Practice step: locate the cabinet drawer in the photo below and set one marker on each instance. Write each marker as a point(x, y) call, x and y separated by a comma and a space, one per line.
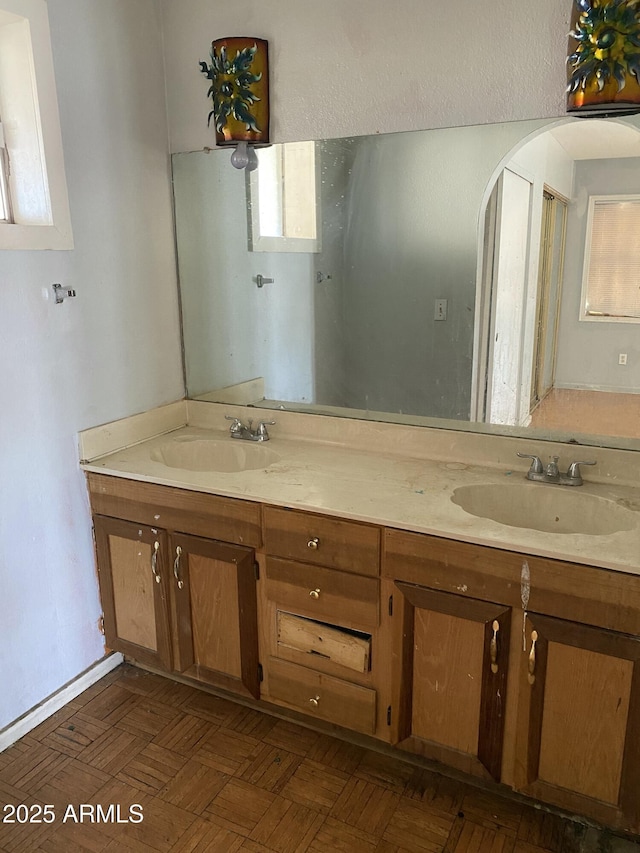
point(325, 594)
point(323, 696)
point(320, 641)
point(181, 510)
point(325, 541)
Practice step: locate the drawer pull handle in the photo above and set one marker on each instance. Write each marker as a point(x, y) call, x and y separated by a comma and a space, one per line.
point(314, 701)
point(154, 561)
point(176, 567)
point(532, 658)
point(315, 594)
point(314, 543)
point(493, 647)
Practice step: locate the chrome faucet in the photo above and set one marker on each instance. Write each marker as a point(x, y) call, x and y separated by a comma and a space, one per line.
point(248, 433)
point(552, 474)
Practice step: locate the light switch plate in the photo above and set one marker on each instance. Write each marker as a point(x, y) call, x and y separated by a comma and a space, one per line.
point(440, 312)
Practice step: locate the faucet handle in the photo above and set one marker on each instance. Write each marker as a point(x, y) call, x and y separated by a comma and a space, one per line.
point(236, 426)
point(573, 471)
point(536, 462)
point(261, 429)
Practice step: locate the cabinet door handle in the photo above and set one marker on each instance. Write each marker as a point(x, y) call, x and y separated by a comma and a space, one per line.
point(314, 701)
point(313, 543)
point(314, 593)
point(493, 647)
point(532, 658)
point(154, 561)
point(176, 567)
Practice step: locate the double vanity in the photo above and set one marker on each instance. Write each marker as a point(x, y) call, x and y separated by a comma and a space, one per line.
point(403, 584)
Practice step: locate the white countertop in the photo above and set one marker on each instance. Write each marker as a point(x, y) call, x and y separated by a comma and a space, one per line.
point(382, 486)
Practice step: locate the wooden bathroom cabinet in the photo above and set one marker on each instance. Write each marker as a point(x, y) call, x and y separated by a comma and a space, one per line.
point(174, 598)
point(559, 718)
point(518, 669)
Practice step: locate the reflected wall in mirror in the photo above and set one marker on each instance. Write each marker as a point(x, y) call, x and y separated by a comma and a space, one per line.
point(445, 281)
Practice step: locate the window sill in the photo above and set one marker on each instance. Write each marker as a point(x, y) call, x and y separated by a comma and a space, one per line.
point(29, 237)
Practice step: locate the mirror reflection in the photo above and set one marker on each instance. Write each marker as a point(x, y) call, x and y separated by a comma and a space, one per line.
point(477, 275)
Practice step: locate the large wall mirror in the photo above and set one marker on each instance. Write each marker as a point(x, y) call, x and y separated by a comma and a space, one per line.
point(433, 277)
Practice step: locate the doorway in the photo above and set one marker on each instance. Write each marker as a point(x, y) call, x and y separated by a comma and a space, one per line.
point(522, 284)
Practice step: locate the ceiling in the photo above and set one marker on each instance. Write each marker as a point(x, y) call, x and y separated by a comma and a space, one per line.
point(605, 139)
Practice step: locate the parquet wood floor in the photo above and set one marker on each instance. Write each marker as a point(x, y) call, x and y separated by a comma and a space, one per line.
point(211, 776)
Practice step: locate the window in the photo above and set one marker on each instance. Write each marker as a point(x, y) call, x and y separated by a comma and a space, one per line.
point(34, 207)
point(283, 198)
point(611, 279)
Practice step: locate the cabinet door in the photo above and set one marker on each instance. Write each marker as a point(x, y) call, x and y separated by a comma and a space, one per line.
point(450, 686)
point(214, 586)
point(134, 586)
point(578, 737)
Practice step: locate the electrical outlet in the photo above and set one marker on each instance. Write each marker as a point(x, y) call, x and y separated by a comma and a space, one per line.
point(622, 358)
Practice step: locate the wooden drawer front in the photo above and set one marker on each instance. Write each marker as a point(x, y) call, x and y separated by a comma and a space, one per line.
point(323, 696)
point(325, 541)
point(180, 510)
point(593, 596)
point(325, 594)
point(319, 641)
point(449, 565)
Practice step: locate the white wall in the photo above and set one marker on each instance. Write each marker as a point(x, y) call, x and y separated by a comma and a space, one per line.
point(112, 351)
point(370, 66)
point(288, 332)
point(234, 330)
point(414, 203)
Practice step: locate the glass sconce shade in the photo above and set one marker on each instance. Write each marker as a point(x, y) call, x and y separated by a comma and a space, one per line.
point(603, 65)
point(239, 74)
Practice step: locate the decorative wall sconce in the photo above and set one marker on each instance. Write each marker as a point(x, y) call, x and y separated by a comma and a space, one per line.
point(603, 65)
point(239, 74)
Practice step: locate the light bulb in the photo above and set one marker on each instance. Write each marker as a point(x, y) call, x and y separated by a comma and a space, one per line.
point(252, 159)
point(244, 157)
point(240, 156)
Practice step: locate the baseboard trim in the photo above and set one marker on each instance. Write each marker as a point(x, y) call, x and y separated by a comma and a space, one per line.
point(24, 724)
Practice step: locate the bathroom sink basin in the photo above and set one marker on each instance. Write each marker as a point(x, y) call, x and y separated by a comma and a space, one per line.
point(208, 454)
point(550, 509)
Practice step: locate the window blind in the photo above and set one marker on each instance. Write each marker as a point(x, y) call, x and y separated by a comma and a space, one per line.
point(613, 277)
